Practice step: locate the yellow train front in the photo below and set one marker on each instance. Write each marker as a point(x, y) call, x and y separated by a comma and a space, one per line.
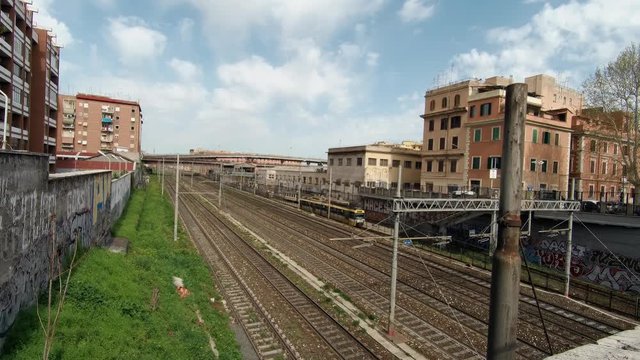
point(353, 217)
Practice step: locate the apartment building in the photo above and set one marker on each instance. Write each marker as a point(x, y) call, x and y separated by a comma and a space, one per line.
point(597, 160)
point(546, 144)
point(463, 127)
point(91, 124)
point(376, 165)
point(311, 178)
point(45, 61)
point(16, 41)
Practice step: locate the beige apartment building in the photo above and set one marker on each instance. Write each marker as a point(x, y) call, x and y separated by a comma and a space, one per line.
point(91, 124)
point(376, 165)
point(462, 133)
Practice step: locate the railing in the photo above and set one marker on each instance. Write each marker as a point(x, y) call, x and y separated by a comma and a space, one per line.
point(548, 279)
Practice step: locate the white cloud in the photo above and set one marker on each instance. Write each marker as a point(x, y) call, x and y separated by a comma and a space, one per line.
point(44, 19)
point(416, 11)
point(185, 29)
point(134, 41)
point(186, 70)
point(575, 35)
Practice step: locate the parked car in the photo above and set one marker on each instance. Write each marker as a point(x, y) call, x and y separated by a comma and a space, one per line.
point(590, 206)
point(463, 193)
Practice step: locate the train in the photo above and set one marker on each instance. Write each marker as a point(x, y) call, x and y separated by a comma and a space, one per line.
point(353, 217)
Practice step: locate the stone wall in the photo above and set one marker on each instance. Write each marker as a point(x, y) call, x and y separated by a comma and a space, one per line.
point(37, 208)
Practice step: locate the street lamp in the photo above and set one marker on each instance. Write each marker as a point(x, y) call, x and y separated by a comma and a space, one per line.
point(6, 114)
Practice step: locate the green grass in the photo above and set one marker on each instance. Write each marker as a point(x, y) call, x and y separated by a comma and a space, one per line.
point(108, 314)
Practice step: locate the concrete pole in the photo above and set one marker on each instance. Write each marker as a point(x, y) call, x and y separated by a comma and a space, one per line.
point(175, 214)
point(529, 223)
point(394, 261)
point(494, 232)
point(220, 192)
point(192, 170)
point(255, 180)
point(299, 185)
point(162, 176)
point(329, 203)
point(567, 256)
point(505, 279)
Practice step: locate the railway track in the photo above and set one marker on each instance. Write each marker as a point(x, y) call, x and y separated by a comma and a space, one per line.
point(572, 328)
point(339, 341)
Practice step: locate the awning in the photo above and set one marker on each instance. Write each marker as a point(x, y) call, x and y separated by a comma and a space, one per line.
point(106, 120)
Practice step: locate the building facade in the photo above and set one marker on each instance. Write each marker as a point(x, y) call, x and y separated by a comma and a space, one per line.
point(597, 165)
point(376, 165)
point(44, 95)
point(463, 128)
point(28, 76)
point(91, 124)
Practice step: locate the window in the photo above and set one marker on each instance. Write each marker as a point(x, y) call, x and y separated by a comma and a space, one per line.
point(557, 139)
point(444, 102)
point(546, 137)
point(454, 166)
point(456, 100)
point(456, 122)
point(592, 146)
point(485, 109)
point(372, 161)
point(384, 162)
point(442, 143)
point(407, 165)
point(330, 162)
point(495, 133)
point(615, 149)
point(395, 163)
point(454, 142)
point(591, 190)
point(543, 166)
point(339, 162)
point(431, 125)
point(472, 111)
point(592, 166)
point(555, 167)
point(494, 162)
point(615, 169)
point(418, 165)
point(477, 135)
point(432, 105)
point(624, 170)
point(17, 95)
point(603, 169)
point(429, 166)
point(348, 161)
point(444, 124)
point(534, 136)
point(604, 146)
point(359, 161)
point(532, 165)
point(394, 185)
point(475, 163)
point(430, 144)
point(18, 46)
point(440, 165)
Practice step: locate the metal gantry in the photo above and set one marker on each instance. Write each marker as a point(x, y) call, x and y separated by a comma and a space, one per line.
point(485, 205)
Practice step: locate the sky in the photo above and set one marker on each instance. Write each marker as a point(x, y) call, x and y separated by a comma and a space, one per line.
point(296, 77)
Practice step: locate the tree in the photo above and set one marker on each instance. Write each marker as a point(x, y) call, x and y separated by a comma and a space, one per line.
point(611, 94)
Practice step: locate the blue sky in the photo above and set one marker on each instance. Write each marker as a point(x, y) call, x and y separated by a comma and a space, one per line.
point(295, 77)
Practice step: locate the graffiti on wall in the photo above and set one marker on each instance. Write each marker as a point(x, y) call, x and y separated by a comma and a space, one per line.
point(101, 195)
point(601, 267)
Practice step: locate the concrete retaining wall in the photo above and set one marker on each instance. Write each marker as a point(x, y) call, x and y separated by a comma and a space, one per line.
point(35, 209)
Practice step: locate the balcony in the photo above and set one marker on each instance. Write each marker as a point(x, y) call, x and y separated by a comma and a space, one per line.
point(106, 138)
point(52, 122)
point(104, 146)
point(106, 109)
point(20, 9)
point(5, 47)
point(5, 74)
point(5, 20)
point(8, 2)
point(67, 140)
point(48, 140)
point(108, 129)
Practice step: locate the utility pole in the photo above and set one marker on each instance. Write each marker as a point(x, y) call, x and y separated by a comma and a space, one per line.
point(569, 249)
point(299, 184)
point(175, 214)
point(505, 275)
point(162, 176)
point(394, 260)
point(192, 171)
point(220, 192)
point(329, 204)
